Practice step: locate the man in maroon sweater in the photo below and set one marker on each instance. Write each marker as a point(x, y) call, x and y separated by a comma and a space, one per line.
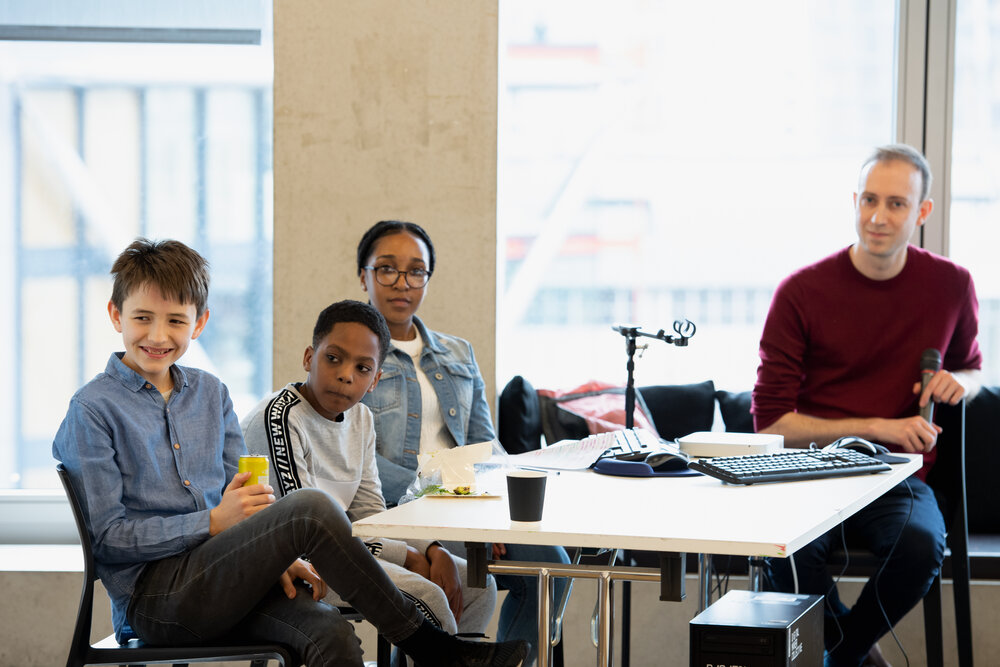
point(840, 355)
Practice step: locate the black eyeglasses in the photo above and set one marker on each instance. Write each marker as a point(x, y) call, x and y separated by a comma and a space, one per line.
point(388, 275)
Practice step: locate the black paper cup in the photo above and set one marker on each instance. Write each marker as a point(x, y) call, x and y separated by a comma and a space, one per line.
point(526, 494)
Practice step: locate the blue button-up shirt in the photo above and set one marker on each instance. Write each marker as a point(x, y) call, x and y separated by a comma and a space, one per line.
point(147, 472)
point(450, 365)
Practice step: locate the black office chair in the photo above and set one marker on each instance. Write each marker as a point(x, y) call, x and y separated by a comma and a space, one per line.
point(947, 479)
point(109, 652)
point(520, 430)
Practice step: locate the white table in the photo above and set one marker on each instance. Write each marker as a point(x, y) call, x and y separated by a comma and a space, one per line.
point(664, 514)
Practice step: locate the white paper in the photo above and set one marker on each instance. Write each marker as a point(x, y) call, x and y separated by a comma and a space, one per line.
point(563, 455)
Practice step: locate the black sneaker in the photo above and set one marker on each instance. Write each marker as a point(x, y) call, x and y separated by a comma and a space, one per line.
point(431, 646)
point(487, 654)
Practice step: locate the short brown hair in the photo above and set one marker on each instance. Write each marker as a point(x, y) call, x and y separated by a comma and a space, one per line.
point(908, 154)
point(178, 271)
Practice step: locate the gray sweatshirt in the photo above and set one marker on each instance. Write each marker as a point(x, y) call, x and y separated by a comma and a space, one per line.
point(309, 450)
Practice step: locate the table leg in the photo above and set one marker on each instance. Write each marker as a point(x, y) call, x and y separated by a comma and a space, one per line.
point(544, 618)
point(704, 581)
point(626, 624)
point(755, 570)
point(477, 559)
point(605, 620)
point(672, 572)
point(605, 574)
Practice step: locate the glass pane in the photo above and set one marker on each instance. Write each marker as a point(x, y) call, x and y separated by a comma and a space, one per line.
point(974, 234)
point(99, 143)
point(661, 160)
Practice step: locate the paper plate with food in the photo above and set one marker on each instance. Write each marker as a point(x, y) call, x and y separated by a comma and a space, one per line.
point(461, 491)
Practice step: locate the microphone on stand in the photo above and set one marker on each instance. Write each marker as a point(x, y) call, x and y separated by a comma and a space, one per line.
point(684, 330)
point(930, 363)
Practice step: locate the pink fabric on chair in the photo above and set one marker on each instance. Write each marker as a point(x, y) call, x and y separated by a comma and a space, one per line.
point(601, 405)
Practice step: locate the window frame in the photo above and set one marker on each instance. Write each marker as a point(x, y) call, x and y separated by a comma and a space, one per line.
point(925, 100)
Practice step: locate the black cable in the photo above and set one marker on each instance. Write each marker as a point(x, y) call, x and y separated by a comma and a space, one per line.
point(836, 581)
point(878, 598)
point(721, 581)
point(878, 574)
point(766, 575)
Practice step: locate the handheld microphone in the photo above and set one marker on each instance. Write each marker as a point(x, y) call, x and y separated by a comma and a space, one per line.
point(930, 363)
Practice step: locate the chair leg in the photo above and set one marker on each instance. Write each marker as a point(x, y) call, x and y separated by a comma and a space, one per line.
point(383, 653)
point(932, 624)
point(963, 611)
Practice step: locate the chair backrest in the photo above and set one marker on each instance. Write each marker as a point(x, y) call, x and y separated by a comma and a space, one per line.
point(947, 477)
point(983, 460)
point(81, 633)
point(519, 418)
point(735, 410)
point(680, 409)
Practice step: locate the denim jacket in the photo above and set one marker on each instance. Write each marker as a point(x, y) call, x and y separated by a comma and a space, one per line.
point(450, 365)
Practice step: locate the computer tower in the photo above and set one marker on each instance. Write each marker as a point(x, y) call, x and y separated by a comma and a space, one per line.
point(747, 629)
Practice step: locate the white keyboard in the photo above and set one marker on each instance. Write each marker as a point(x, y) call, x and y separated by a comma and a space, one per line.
point(627, 445)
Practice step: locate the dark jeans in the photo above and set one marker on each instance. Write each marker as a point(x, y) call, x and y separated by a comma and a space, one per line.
point(227, 586)
point(904, 579)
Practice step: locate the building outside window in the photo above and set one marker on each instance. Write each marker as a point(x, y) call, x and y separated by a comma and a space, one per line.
point(670, 160)
point(975, 160)
point(646, 174)
point(121, 120)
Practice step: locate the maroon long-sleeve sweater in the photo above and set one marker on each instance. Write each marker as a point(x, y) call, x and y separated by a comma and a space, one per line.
point(837, 344)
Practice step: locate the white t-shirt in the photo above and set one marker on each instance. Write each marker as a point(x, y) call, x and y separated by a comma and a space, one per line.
point(434, 434)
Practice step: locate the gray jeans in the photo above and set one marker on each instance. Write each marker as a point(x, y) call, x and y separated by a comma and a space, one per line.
point(227, 586)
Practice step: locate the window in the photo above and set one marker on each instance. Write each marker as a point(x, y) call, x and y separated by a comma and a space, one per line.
point(975, 166)
point(127, 119)
point(661, 161)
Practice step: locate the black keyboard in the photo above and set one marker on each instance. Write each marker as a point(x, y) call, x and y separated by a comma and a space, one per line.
point(626, 445)
point(788, 466)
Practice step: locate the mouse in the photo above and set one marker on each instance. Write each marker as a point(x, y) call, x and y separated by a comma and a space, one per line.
point(665, 461)
point(858, 444)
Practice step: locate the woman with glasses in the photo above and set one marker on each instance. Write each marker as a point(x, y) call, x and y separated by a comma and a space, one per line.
point(431, 396)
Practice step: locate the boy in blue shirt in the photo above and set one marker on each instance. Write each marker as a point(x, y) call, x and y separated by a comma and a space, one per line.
point(185, 551)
